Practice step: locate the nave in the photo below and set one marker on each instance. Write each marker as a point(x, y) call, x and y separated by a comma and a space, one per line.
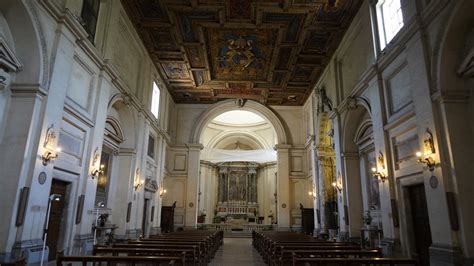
point(200, 247)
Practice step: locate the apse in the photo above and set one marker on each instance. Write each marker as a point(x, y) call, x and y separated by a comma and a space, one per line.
point(238, 166)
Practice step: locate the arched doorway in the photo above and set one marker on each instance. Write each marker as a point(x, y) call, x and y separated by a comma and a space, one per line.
point(281, 197)
point(238, 147)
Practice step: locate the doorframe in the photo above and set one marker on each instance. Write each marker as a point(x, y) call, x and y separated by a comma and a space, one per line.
point(69, 210)
point(406, 220)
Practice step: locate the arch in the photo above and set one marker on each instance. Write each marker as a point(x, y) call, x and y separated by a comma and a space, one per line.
point(361, 132)
point(114, 130)
point(28, 40)
point(252, 138)
point(351, 125)
point(229, 105)
point(124, 117)
point(451, 44)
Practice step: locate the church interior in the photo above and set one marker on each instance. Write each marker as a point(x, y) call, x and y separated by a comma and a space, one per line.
point(236, 132)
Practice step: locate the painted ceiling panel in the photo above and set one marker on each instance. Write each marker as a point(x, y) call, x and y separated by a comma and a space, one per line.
point(269, 51)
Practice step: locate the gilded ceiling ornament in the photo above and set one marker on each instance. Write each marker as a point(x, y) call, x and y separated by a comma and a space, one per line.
point(240, 102)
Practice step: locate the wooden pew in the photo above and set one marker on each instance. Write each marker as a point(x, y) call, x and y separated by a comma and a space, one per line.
point(189, 254)
point(202, 249)
point(197, 252)
point(131, 260)
point(286, 256)
point(352, 261)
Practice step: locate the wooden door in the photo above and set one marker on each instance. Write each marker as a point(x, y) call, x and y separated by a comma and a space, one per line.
point(56, 217)
point(167, 219)
point(421, 223)
point(145, 217)
point(307, 220)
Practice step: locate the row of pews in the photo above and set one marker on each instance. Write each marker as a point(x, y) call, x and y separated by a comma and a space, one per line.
point(177, 248)
point(289, 248)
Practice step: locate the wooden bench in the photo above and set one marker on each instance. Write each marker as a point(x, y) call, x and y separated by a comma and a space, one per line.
point(352, 261)
point(129, 260)
point(286, 256)
point(190, 254)
point(197, 252)
point(202, 249)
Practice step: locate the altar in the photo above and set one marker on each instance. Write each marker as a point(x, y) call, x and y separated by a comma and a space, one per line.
point(237, 194)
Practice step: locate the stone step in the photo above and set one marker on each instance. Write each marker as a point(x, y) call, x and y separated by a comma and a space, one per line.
point(237, 234)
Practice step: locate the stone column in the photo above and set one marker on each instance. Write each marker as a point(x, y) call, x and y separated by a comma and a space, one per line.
point(353, 199)
point(283, 184)
point(222, 184)
point(314, 173)
point(321, 197)
point(191, 210)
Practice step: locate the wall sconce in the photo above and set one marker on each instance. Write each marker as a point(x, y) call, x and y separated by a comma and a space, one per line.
point(50, 156)
point(428, 161)
point(162, 192)
point(337, 185)
point(379, 175)
point(313, 194)
point(97, 172)
point(138, 185)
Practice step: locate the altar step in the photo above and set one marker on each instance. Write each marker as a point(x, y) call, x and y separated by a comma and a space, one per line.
point(237, 234)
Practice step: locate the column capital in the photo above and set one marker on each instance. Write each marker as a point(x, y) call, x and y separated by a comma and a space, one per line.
point(282, 147)
point(27, 90)
point(194, 146)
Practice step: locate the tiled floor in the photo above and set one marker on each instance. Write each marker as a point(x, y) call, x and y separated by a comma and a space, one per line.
point(237, 251)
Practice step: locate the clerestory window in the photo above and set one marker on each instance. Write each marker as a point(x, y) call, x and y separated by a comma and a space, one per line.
point(389, 20)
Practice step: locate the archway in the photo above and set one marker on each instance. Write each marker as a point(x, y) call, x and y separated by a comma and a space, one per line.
point(357, 152)
point(280, 196)
point(120, 171)
point(23, 84)
point(455, 81)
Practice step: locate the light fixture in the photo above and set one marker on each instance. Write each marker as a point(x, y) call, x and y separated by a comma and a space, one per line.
point(427, 160)
point(337, 185)
point(379, 175)
point(138, 184)
point(52, 197)
point(49, 156)
point(162, 192)
point(97, 172)
point(313, 194)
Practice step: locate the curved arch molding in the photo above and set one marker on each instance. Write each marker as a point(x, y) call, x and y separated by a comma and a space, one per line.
point(229, 105)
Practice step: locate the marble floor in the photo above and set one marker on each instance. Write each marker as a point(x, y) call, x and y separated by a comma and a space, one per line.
point(237, 251)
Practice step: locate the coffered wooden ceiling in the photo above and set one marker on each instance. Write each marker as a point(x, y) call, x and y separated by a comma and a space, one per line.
point(268, 51)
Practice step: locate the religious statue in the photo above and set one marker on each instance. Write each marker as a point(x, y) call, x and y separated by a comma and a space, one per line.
point(324, 100)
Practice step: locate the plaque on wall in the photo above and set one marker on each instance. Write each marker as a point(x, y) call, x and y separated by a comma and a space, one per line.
point(283, 205)
point(42, 178)
point(80, 207)
point(433, 181)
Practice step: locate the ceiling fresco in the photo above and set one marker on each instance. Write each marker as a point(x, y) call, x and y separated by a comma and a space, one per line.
point(269, 51)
